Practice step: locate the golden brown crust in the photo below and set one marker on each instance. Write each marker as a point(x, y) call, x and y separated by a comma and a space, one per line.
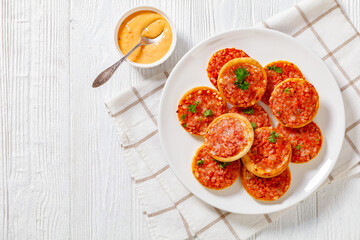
point(288, 70)
point(260, 87)
point(248, 135)
point(294, 80)
point(273, 171)
point(308, 139)
point(265, 189)
point(210, 174)
point(199, 127)
point(220, 58)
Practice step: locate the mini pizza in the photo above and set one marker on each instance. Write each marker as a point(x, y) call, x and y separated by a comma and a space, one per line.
point(198, 108)
point(219, 59)
point(214, 174)
point(256, 115)
point(269, 155)
point(305, 142)
point(294, 102)
point(265, 189)
point(277, 72)
point(229, 137)
point(242, 82)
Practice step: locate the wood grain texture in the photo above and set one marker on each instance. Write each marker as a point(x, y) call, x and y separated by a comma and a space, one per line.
point(34, 131)
point(62, 174)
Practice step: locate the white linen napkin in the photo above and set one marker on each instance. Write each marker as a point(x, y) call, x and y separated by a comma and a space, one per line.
point(171, 211)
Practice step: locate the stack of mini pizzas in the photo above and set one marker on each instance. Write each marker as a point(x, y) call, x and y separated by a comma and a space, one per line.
point(245, 131)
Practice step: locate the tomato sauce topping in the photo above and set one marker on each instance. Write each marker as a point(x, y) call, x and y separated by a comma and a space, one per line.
point(227, 137)
point(256, 115)
point(276, 73)
point(305, 142)
point(270, 151)
point(246, 94)
point(266, 189)
point(214, 174)
point(198, 108)
point(294, 102)
point(219, 59)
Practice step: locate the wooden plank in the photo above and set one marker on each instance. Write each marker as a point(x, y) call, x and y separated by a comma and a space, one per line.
point(34, 121)
point(263, 9)
point(103, 203)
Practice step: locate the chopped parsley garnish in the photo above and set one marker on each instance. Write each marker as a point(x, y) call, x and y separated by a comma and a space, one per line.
point(276, 69)
point(184, 125)
point(298, 147)
point(317, 139)
point(278, 113)
point(273, 136)
point(248, 110)
point(221, 164)
point(183, 117)
point(192, 108)
point(287, 90)
point(253, 125)
point(208, 113)
point(244, 85)
point(200, 162)
point(241, 74)
point(200, 119)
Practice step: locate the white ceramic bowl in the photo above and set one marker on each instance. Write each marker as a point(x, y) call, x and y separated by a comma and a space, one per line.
point(146, 8)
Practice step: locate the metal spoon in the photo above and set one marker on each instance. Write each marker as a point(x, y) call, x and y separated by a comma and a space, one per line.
point(104, 76)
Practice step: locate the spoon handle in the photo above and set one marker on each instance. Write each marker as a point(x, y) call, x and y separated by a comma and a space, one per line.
point(105, 75)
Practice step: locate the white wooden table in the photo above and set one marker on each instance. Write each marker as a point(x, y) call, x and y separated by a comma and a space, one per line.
point(62, 174)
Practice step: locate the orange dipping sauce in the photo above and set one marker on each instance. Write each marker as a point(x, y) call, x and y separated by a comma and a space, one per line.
point(151, 25)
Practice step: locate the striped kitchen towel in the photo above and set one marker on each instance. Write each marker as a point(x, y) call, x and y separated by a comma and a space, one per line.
point(171, 211)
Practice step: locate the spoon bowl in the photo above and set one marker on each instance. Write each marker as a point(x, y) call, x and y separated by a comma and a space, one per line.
point(105, 75)
point(147, 41)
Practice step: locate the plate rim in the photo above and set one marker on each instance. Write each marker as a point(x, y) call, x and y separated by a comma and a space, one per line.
point(236, 31)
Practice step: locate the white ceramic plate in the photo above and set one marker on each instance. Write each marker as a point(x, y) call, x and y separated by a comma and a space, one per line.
point(265, 46)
